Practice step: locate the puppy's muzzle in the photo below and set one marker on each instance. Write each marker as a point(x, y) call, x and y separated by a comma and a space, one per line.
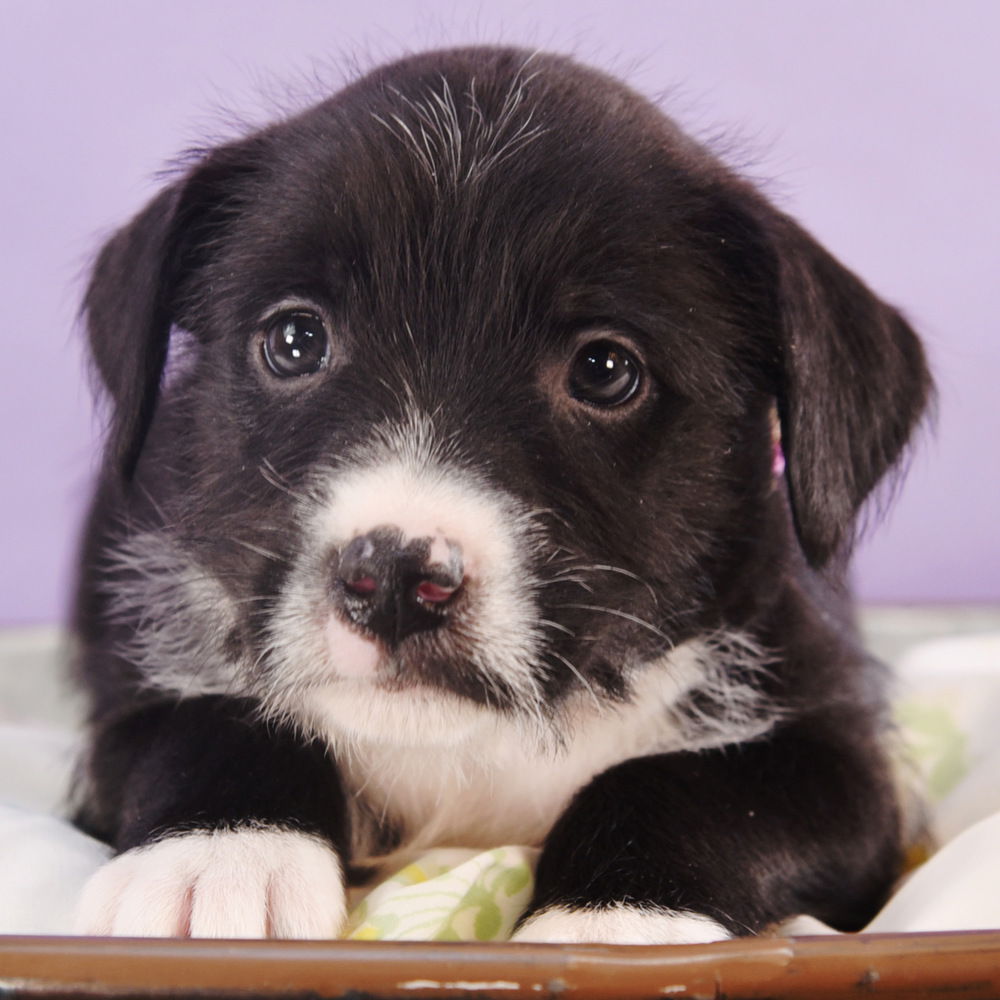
point(392, 587)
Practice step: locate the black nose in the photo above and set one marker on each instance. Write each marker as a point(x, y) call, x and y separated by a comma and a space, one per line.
point(393, 587)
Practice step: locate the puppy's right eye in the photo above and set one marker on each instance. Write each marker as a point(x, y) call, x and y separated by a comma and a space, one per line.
point(296, 343)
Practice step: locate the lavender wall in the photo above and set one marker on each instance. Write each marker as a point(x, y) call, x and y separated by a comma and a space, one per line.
point(876, 122)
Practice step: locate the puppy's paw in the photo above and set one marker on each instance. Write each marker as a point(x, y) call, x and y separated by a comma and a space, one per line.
point(250, 883)
point(619, 924)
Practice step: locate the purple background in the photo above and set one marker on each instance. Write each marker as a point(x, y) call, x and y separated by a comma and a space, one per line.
point(876, 123)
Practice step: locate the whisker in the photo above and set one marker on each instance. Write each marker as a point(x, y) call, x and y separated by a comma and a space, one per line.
point(605, 568)
point(557, 626)
point(271, 474)
point(260, 550)
point(622, 614)
point(567, 578)
point(583, 680)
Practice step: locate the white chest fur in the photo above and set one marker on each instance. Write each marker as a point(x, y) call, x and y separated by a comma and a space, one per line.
point(506, 782)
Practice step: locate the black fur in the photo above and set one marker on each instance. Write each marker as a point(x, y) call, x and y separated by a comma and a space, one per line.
point(462, 288)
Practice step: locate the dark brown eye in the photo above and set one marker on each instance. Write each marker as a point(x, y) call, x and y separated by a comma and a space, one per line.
point(604, 374)
point(296, 343)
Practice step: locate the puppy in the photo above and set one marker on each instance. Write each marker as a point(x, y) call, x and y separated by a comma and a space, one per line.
point(445, 501)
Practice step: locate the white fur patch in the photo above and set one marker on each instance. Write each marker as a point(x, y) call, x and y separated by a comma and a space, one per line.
point(451, 154)
point(620, 924)
point(249, 883)
point(180, 617)
point(721, 702)
point(402, 480)
point(502, 780)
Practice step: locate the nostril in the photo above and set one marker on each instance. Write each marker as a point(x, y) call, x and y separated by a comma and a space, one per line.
point(434, 593)
point(364, 566)
point(362, 586)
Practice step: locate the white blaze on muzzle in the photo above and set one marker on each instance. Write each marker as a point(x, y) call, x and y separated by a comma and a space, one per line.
point(459, 554)
point(477, 534)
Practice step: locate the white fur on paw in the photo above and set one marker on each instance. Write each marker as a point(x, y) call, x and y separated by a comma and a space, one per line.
point(620, 924)
point(250, 883)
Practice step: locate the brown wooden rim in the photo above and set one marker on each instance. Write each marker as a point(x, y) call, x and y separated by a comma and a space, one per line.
point(942, 965)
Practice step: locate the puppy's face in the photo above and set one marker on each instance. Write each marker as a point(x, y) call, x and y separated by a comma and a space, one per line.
point(468, 406)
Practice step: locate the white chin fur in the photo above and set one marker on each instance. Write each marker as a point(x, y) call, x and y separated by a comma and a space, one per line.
point(620, 924)
point(357, 711)
point(251, 883)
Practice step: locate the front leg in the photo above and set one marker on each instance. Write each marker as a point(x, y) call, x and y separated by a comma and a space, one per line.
point(227, 826)
point(697, 847)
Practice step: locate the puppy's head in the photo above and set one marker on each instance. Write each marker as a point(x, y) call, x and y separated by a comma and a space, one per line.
point(461, 393)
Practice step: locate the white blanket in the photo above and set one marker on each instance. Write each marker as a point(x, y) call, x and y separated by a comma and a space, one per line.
point(948, 707)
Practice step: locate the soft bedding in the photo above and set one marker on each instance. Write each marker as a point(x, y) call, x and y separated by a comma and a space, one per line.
point(949, 699)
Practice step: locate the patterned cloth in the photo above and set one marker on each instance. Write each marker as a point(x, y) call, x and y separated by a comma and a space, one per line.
point(449, 894)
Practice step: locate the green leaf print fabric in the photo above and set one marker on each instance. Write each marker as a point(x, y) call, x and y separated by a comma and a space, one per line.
point(448, 894)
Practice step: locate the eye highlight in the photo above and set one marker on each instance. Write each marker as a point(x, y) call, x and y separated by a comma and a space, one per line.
point(296, 342)
point(604, 373)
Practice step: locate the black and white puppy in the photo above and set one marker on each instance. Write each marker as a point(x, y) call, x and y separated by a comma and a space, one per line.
point(445, 502)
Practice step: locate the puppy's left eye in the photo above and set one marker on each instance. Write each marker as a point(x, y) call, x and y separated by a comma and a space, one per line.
point(604, 374)
point(296, 343)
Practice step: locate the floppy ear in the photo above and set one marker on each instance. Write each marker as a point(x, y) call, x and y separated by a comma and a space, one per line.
point(128, 321)
point(132, 298)
point(853, 384)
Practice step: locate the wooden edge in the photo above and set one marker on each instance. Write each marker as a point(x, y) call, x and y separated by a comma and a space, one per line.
point(943, 965)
